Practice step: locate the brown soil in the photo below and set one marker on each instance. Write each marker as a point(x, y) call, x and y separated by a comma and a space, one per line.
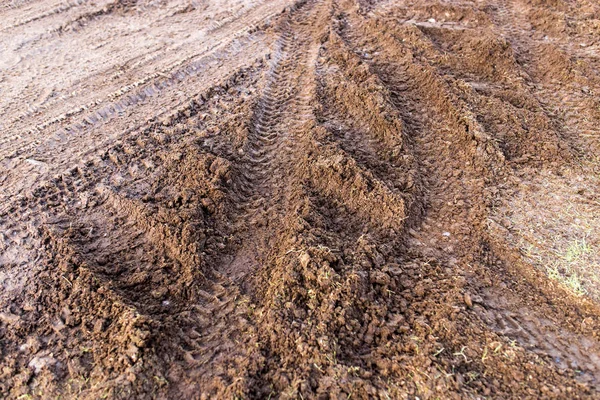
point(320, 199)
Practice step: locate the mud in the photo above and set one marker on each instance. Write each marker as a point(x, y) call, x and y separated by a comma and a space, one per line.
point(313, 199)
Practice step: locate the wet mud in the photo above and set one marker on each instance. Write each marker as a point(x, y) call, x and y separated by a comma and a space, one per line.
point(309, 199)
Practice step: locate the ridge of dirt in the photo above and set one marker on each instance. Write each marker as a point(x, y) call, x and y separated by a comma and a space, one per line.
point(319, 199)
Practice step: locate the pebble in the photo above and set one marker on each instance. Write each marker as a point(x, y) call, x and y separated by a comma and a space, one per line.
point(468, 301)
point(39, 363)
point(99, 325)
point(304, 259)
point(9, 318)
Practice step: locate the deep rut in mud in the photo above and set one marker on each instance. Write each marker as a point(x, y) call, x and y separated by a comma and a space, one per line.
point(309, 200)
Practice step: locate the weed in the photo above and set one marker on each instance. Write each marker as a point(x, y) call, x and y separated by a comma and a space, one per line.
point(576, 250)
point(472, 376)
point(161, 381)
point(333, 358)
point(462, 353)
point(498, 348)
point(353, 370)
point(560, 236)
point(563, 270)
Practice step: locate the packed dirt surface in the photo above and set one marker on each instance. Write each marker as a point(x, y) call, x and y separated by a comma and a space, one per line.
point(295, 200)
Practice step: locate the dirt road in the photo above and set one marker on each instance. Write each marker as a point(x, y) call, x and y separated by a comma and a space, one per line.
point(312, 199)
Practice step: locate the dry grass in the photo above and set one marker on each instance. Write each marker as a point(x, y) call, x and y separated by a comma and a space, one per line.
point(555, 221)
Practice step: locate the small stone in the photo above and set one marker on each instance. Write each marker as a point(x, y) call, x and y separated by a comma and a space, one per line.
point(159, 293)
point(304, 259)
point(31, 346)
point(133, 352)
point(39, 363)
point(58, 325)
point(468, 301)
point(9, 318)
point(99, 325)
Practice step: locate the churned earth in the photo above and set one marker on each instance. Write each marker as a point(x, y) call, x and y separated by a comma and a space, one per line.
point(342, 199)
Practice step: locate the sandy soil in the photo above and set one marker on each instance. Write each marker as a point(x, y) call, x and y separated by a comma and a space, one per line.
point(313, 199)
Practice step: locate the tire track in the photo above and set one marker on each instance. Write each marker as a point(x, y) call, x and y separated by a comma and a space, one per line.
point(400, 88)
point(282, 110)
point(242, 36)
point(44, 13)
point(563, 86)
